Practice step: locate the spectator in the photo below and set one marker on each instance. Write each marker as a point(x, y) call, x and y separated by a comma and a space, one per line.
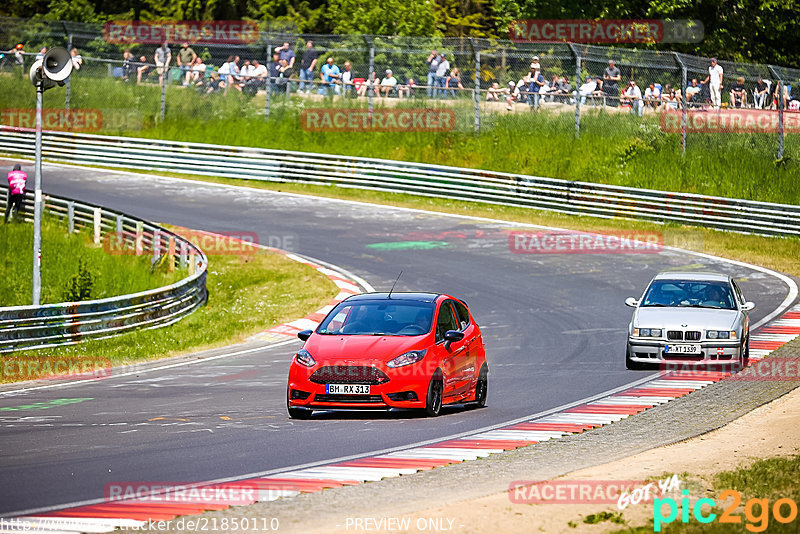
point(19, 55)
point(284, 74)
point(599, 90)
point(229, 72)
point(245, 74)
point(285, 52)
point(128, 65)
point(564, 89)
point(329, 74)
point(633, 96)
point(760, 93)
point(441, 77)
point(274, 71)
point(671, 97)
point(693, 94)
point(143, 70)
point(611, 79)
point(259, 74)
point(652, 96)
point(433, 66)
point(40, 55)
point(778, 101)
point(388, 84)
point(197, 74)
point(535, 84)
point(453, 82)
point(739, 94)
point(348, 81)
point(163, 58)
point(215, 82)
point(513, 95)
point(494, 92)
point(77, 60)
point(186, 58)
point(16, 191)
point(714, 79)
point(409, 89)
point(586, 89)
point(551, 89)
point(535, 63)
point(307, 66)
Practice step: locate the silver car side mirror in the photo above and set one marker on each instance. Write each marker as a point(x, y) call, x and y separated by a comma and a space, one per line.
point(747, 306)
point(632, 302)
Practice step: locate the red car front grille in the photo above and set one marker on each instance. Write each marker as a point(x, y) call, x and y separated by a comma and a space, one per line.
point(349, 374)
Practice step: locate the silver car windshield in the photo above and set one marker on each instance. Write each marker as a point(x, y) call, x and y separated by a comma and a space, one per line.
point(689, 294)
point(379, 318)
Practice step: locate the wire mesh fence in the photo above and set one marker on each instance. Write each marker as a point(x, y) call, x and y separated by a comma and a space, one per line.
point(384, 83)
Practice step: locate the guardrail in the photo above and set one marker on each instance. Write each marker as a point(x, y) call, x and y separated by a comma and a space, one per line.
point(571, 197)
point(35, 327)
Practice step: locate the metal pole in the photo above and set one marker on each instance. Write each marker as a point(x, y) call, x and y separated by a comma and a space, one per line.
point(684, 110)
point(781, 103)
point(164, 91)
point(371, 80)
point(476, 92)
point(268, 86)
point(69, 84)
point(577, 92)
point(37, 201)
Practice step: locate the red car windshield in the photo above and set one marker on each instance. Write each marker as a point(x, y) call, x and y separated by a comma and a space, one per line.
point(379, 318)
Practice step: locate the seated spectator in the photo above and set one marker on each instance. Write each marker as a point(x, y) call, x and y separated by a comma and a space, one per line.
point(564, 89)
point(549, 91)
point(215, 83)
point(197, 75)
point(259, 74)
point(229, 72)
point(693, 94)
point(364, 89)
point(348, 81)
point(633, 97)
point(330, 76)
point(453, 81)
point(409, 89)
point(143, 70)
point(777, 101)
point(77, 60)
point(599, 93)
point(760, 93)
point(586, 89)
point(274, 72)
point(284, 73)
point(494, 92)
point(739, 94)
point(652, 95)
point(128, 65)
point(387, 85)
point(513, 95)
point(671, 97)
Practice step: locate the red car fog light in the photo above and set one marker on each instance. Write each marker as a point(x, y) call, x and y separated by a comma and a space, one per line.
point(403, 396)
point(299, 395)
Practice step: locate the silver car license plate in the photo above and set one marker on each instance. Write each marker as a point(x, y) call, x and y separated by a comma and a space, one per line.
point(682, 349)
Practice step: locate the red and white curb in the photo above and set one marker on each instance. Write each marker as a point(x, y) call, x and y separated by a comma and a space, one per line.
point(106, 516)
point(346, 287)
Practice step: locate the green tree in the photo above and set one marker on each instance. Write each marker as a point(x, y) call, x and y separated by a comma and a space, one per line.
point(390, 17)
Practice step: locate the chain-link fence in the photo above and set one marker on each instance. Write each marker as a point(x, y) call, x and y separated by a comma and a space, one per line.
point(348, 82)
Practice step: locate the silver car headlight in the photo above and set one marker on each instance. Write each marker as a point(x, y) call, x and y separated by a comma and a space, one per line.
point(647, 332)
point(720, 334)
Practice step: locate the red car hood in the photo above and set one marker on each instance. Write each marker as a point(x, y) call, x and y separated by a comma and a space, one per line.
point(362, 349)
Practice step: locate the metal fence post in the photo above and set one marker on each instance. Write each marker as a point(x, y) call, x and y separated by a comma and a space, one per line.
point(577, 92)
point(69, 84)
point(476, 92)
point(684, 110)
point(164, 78)
point(371, 80)
point(268, 86)
point(780, 103)
point(71, 217)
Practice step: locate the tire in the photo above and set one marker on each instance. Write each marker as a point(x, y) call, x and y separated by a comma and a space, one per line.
point(632, 365)
point(433, 400)
point(481, 387)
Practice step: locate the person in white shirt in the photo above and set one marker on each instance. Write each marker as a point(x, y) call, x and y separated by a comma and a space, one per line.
point(586, 89)
point(714, 79)
point(77, 60)
point(387, 84)
point(652, 95)
point(198, 72)
point(633, 95)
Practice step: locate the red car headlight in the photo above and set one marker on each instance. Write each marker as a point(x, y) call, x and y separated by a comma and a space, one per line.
point(304, 357)
point(407, 358)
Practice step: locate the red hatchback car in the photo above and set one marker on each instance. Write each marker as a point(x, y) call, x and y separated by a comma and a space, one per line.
point(398, 350)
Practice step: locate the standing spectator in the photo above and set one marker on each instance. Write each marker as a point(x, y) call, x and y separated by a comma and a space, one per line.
point(329, 74)
point(348, 81)
point(284, 74)
point(287, 53)
point(760, 93)
point(77, 60)
point(453, 82)
point(652, 95)
point(633, 96)
point(441, 76)
point(186, 59)
point(16, 190)
point(162, 57)
point(40, 55)
point(586, 89)
point(388, 84)
point(128, 66)
point(535, 84)
point(143, 70)
point(307, 66)
point(433, 65)
point(19, 55)
point(714, 79)
point(739, 94)
point(611, 79)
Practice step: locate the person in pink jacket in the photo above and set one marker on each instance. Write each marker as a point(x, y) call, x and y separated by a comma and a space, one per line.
point(16, 190)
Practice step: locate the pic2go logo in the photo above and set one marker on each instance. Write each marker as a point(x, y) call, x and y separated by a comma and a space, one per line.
point(756, 511)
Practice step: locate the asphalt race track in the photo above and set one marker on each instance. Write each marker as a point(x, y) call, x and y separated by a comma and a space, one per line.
point(554, 327)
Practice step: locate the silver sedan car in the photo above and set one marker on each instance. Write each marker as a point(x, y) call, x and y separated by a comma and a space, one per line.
point(689, 317)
